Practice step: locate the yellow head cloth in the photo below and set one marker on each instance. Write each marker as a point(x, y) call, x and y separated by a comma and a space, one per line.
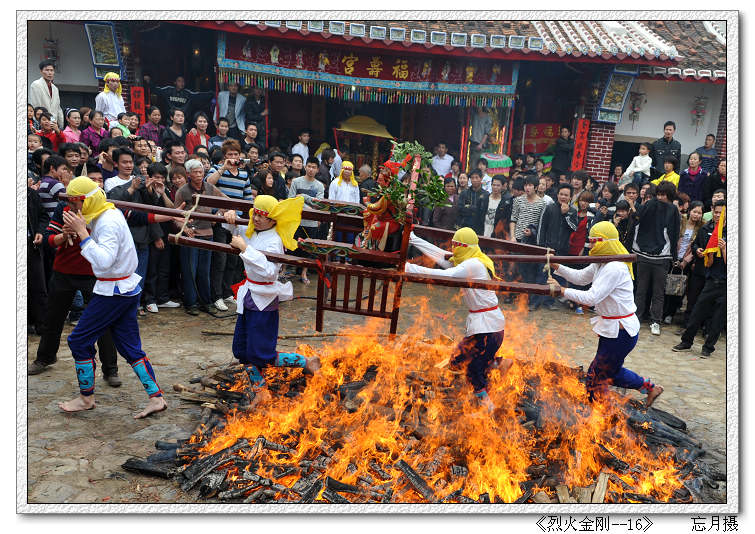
point(610, 245)
point(110, 76)
point(322, 147)
point(468, 237)
point(286, 214)
point(95, 201)
point(347, 165)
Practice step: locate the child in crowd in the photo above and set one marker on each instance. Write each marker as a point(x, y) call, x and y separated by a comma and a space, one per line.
point(638, 171)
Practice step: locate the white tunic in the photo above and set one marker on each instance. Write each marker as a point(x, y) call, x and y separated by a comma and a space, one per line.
point(110, 104)
point(259, 269)
point(474, 299)
point(612, 294)
point(110, 249)
point(346, 192)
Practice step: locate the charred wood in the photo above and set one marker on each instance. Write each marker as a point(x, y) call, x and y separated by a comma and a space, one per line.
point(417, 482)
point(162, 469)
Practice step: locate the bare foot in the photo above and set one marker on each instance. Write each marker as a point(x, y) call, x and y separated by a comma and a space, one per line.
point(155, 404)
point(79, 404)
point(505, 365)
point(313, 364)
point(263, 395)
point(652, 395)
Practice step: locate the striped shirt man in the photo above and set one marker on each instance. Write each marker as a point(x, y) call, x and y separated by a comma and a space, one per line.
point(238, 186)
point(49, 189)
point(526, 213)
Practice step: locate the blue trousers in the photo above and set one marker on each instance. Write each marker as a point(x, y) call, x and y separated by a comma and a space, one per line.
point(142, 255)
point(254, 344)
point(195, 273)
point(479, 350)
point(118, 313)
point(607, 368)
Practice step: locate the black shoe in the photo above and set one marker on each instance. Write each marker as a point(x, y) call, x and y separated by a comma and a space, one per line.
point(204, 308)
point(682, 347)
point(113, 381)
point(192, 310)
point(704, 353)
point(35, 368)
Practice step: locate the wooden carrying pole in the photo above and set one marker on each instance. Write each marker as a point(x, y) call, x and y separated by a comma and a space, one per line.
point(522, 258)
point(388, 275)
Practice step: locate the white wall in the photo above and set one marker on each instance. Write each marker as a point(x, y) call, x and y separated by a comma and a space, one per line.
point(667, 100)
point(75, 72)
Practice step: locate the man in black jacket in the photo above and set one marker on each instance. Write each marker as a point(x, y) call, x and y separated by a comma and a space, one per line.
point(655, 237)
point(562, 152)
point(36, 290)
point(712, 301)
point(178, 97)
point(472, 204)
point(664, 147)
point(555, 230)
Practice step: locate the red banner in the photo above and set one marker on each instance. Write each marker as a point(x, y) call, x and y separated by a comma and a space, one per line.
point(538, 137)
point(580, 144)
point(358, 64)
point(137, 103)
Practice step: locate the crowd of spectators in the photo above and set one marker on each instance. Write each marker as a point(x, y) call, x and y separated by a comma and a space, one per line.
point(664, 216)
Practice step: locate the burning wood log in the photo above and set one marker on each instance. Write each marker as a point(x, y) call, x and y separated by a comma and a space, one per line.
point(582, 495)
point(541, 498)
point(211, 484)
point(308, 495)
point(334, 498)
point(599, 495)
point(417, 482)
point(562, 492)
point(341, 487)
point(612, 461)
point(194, 473)
point(236, 493)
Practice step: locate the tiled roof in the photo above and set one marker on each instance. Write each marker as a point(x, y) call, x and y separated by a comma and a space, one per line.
point(610, 40)
point(702, 45)
point(696, 48)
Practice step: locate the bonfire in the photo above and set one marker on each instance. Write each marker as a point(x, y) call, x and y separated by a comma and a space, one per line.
point(381, 422)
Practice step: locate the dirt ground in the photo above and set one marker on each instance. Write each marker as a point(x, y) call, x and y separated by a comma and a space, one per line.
point(76, 458)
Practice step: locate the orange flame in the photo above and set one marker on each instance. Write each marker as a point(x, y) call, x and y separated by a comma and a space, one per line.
point(409, 398)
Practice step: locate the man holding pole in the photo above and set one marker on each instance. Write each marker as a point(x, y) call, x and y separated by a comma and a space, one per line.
point(272, 225)
point(485, 322)
point(616, 324)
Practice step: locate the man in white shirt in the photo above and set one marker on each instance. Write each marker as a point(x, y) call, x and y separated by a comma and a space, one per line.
point(302, 147)
point(485, 322)
point(441, 162)
point(110, 101)
point(110, 249)
point(44, 93)
point(617, 326)
point(123, 161)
